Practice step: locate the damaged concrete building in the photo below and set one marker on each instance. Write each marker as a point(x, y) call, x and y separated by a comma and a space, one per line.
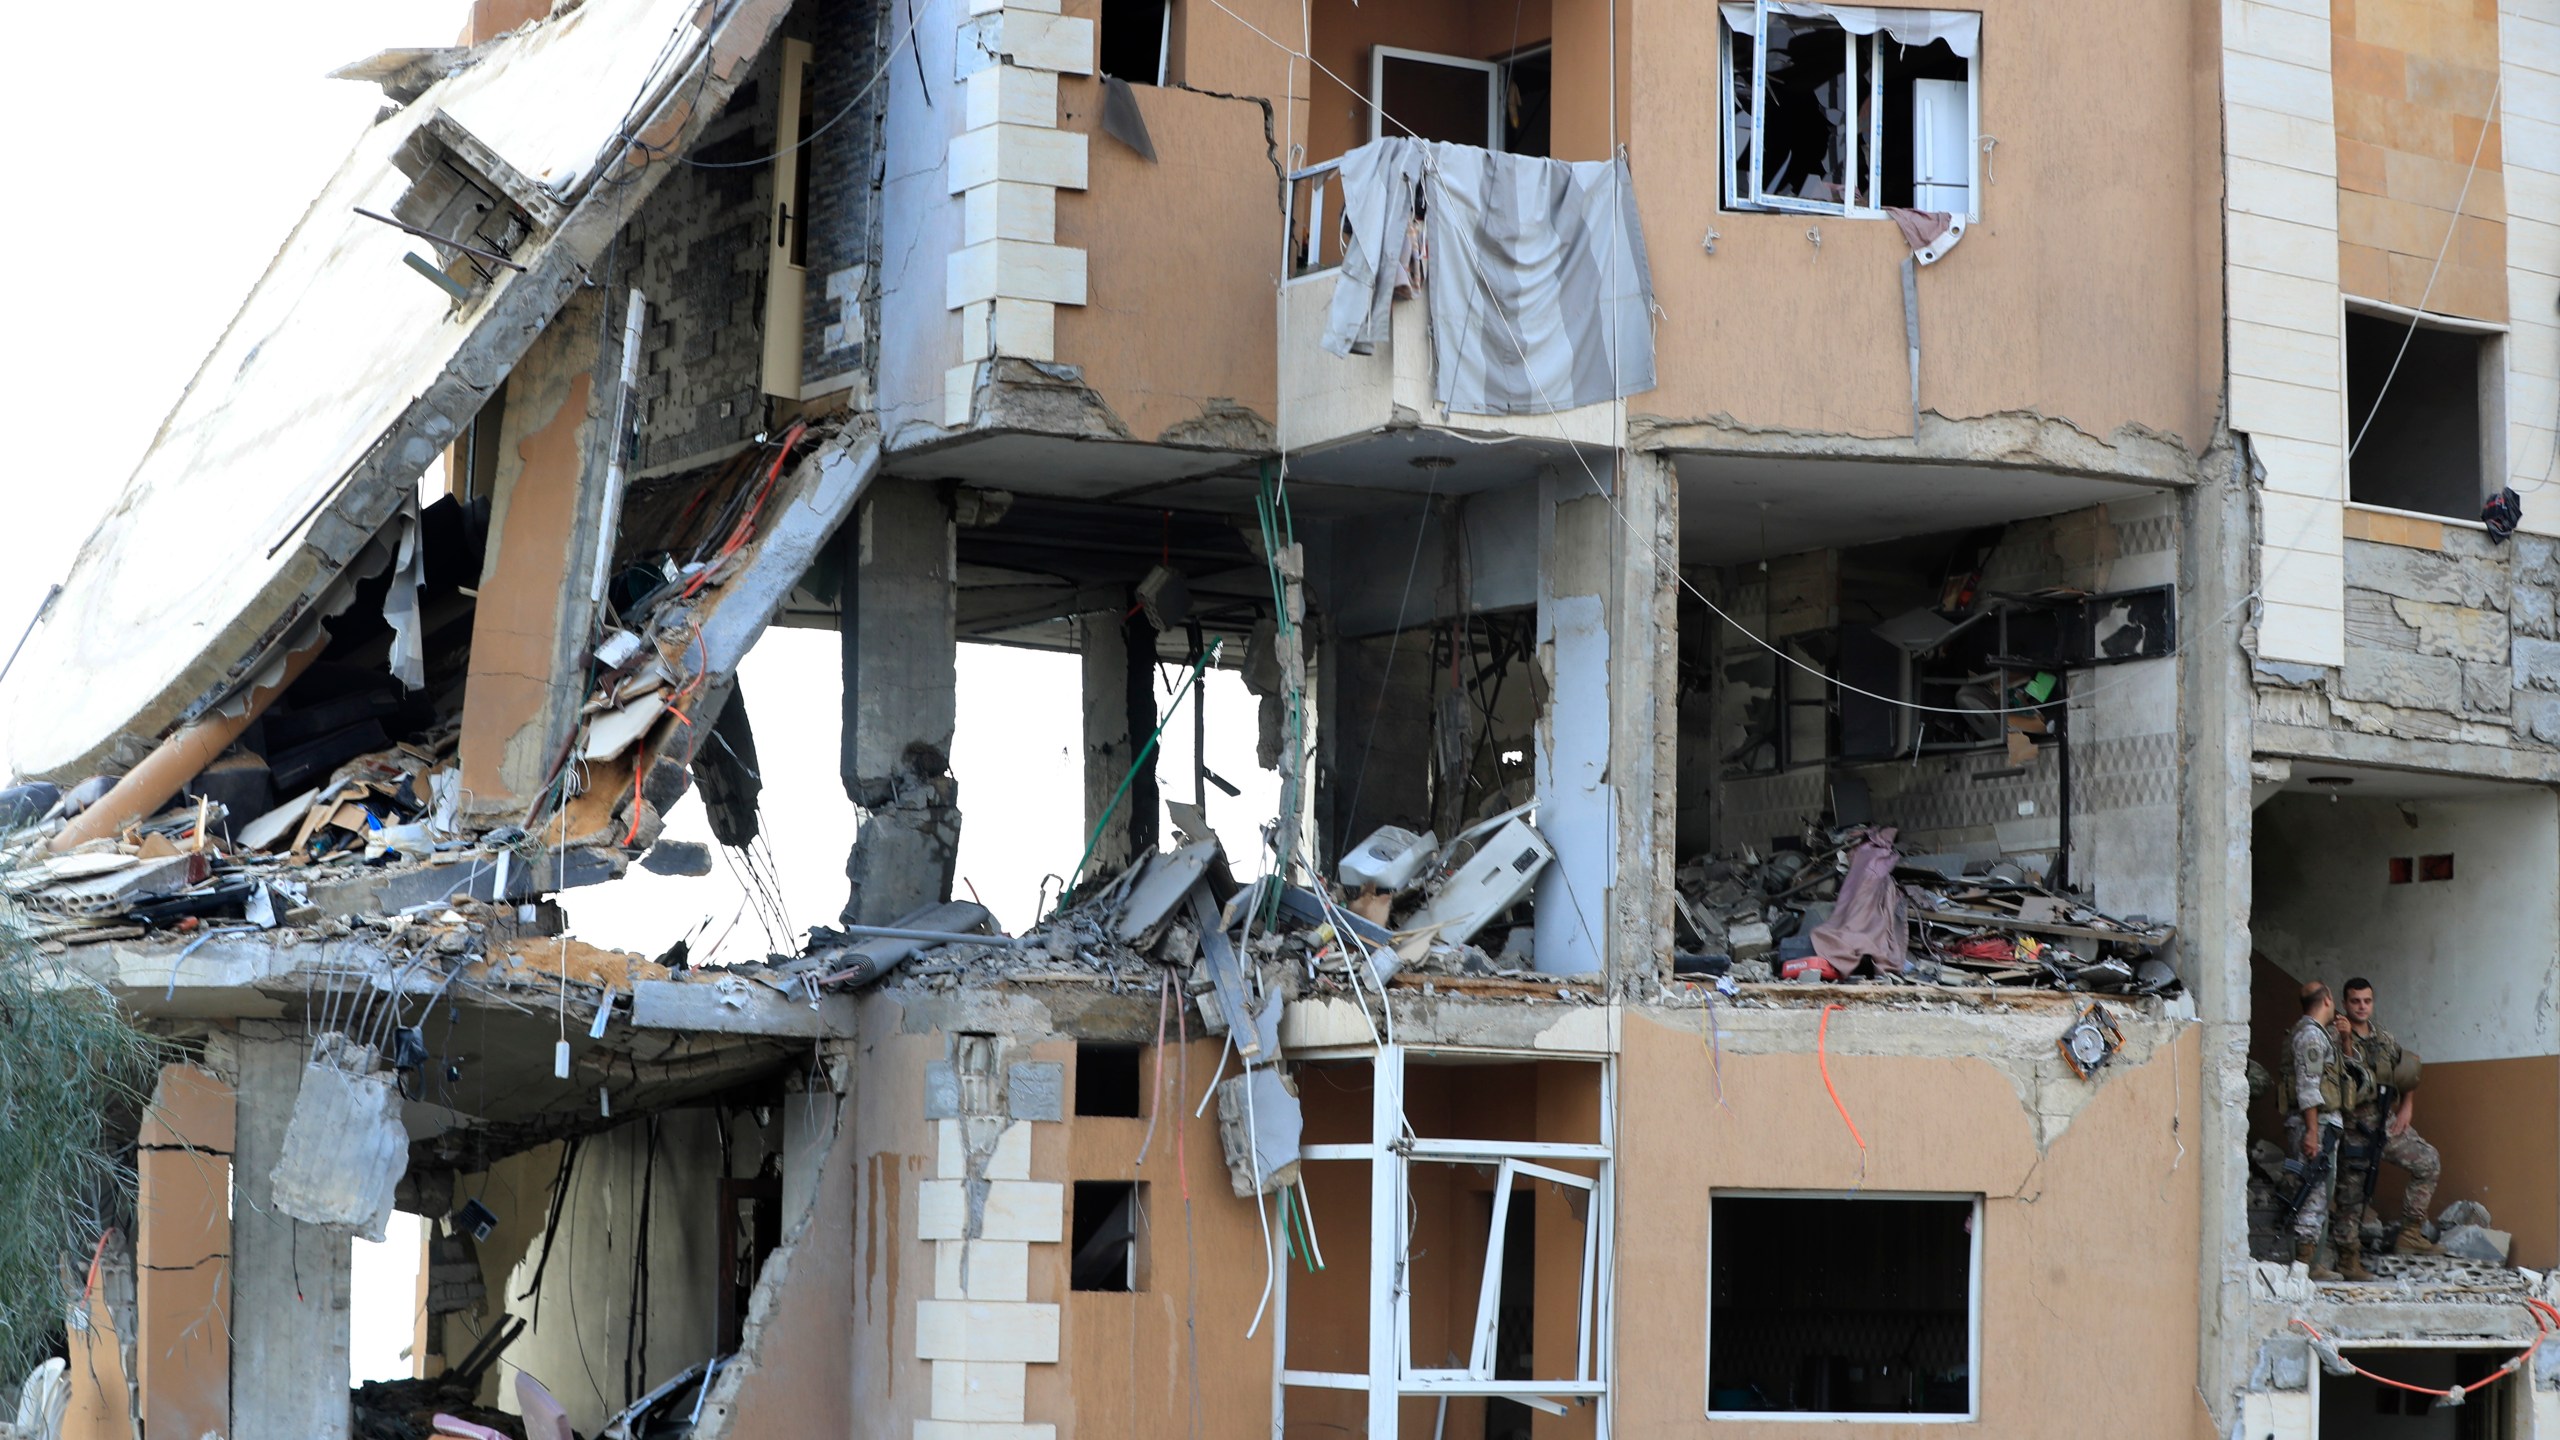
point(1844, 603)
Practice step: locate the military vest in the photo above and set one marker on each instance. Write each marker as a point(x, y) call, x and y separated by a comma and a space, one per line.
point(2289, 1091)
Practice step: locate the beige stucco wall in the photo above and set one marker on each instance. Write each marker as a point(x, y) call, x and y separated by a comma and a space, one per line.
point(2076, 296)
point(2089, 1245)
point(1182, 257)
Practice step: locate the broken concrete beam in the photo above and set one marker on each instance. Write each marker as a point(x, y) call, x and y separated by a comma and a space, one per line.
point(734, 1006)
point(344, 1151)
point(388, 892)
point(1226, 976)
point(874, 955)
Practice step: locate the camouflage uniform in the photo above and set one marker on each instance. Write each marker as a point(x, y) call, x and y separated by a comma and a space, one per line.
point(2390, 1063)
point(2310, 1081)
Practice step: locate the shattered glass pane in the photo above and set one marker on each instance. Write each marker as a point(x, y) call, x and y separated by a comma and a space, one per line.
point(1804, 151)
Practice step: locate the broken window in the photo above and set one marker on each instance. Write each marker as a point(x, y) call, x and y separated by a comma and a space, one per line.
point(1488, 1227)
point(1104, 1251)
point(1847, 109)
point(1828, 1306)
point(2425, 406)
point(1136, 40)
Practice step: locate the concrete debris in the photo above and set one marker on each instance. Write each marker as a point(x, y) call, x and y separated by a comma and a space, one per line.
point(2476, 1242)
point(2462, 1212)
point(345, 1148)
point(1969, 923)
point(1258, 1127)
point(677, 857)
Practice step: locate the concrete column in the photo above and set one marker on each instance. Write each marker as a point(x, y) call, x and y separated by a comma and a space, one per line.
point(901, 652)
point(2215, 705)
point(1119, 714)
point(1607, 662)
point(290, 1281)
point(1644, 732)
point(1103, 647)
point(182, 1255)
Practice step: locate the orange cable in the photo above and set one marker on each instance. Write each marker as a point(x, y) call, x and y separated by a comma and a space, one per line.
point(1821, 1057)
point(2543, 1317)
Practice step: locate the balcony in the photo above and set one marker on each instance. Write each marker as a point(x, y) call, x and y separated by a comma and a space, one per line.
point(1367, 419)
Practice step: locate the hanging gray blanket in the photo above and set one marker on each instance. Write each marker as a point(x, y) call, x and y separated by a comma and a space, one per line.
point(1541, 299)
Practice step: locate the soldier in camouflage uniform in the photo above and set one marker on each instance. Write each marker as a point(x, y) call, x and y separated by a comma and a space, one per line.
point(2383, 1120)
point(2311, 1090)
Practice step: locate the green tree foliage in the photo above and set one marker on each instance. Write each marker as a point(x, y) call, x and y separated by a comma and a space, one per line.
point(74, 1072)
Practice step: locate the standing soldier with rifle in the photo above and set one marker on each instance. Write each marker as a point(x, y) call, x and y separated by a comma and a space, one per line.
point(2311, 1091)
point(2379, 1126)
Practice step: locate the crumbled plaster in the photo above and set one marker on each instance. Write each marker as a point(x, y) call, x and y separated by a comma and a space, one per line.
point(2020, 1044)
point(2017, 437)
point(1047, 397)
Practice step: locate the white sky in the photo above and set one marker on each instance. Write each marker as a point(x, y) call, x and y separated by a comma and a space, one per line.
point(166, 177)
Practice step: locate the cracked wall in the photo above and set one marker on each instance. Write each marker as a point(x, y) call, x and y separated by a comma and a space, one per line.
point(1194, 362)
point(582, 1342)
point(2449, 638)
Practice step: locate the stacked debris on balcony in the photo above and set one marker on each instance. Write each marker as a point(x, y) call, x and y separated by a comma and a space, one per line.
point(1816, 914)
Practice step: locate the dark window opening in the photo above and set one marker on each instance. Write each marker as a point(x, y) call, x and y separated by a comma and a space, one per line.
point(2434, 867)
point(1108, 1080)
point(2401, 867)
point(1108, 1216)
point(2421, 446)
point(1871, 1314)
point(2353, 1407)
point(1514, 1320)
point(1438, 97)
point(750, 1230)
point(1133, 41)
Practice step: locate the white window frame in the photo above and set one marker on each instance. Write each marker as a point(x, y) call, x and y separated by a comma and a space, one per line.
point(1864, 160)
point(1973, 1311)
point(1379, 55)
point(1391, 1153)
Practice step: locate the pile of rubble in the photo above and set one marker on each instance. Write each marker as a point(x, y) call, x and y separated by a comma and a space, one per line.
point(1407, 906)
point(1803, 914)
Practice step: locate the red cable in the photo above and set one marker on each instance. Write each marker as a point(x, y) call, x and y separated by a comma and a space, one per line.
point(1821, 1057)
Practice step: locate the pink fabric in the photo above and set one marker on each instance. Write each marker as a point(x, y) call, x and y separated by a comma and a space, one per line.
point(1919, 227)
point(544, 1419)
point(1869, 923)
point(462, 1429)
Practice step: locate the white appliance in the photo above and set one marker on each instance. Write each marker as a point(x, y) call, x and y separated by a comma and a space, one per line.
point(1388, 859)
point(1500, 873)
point(1941, 147)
